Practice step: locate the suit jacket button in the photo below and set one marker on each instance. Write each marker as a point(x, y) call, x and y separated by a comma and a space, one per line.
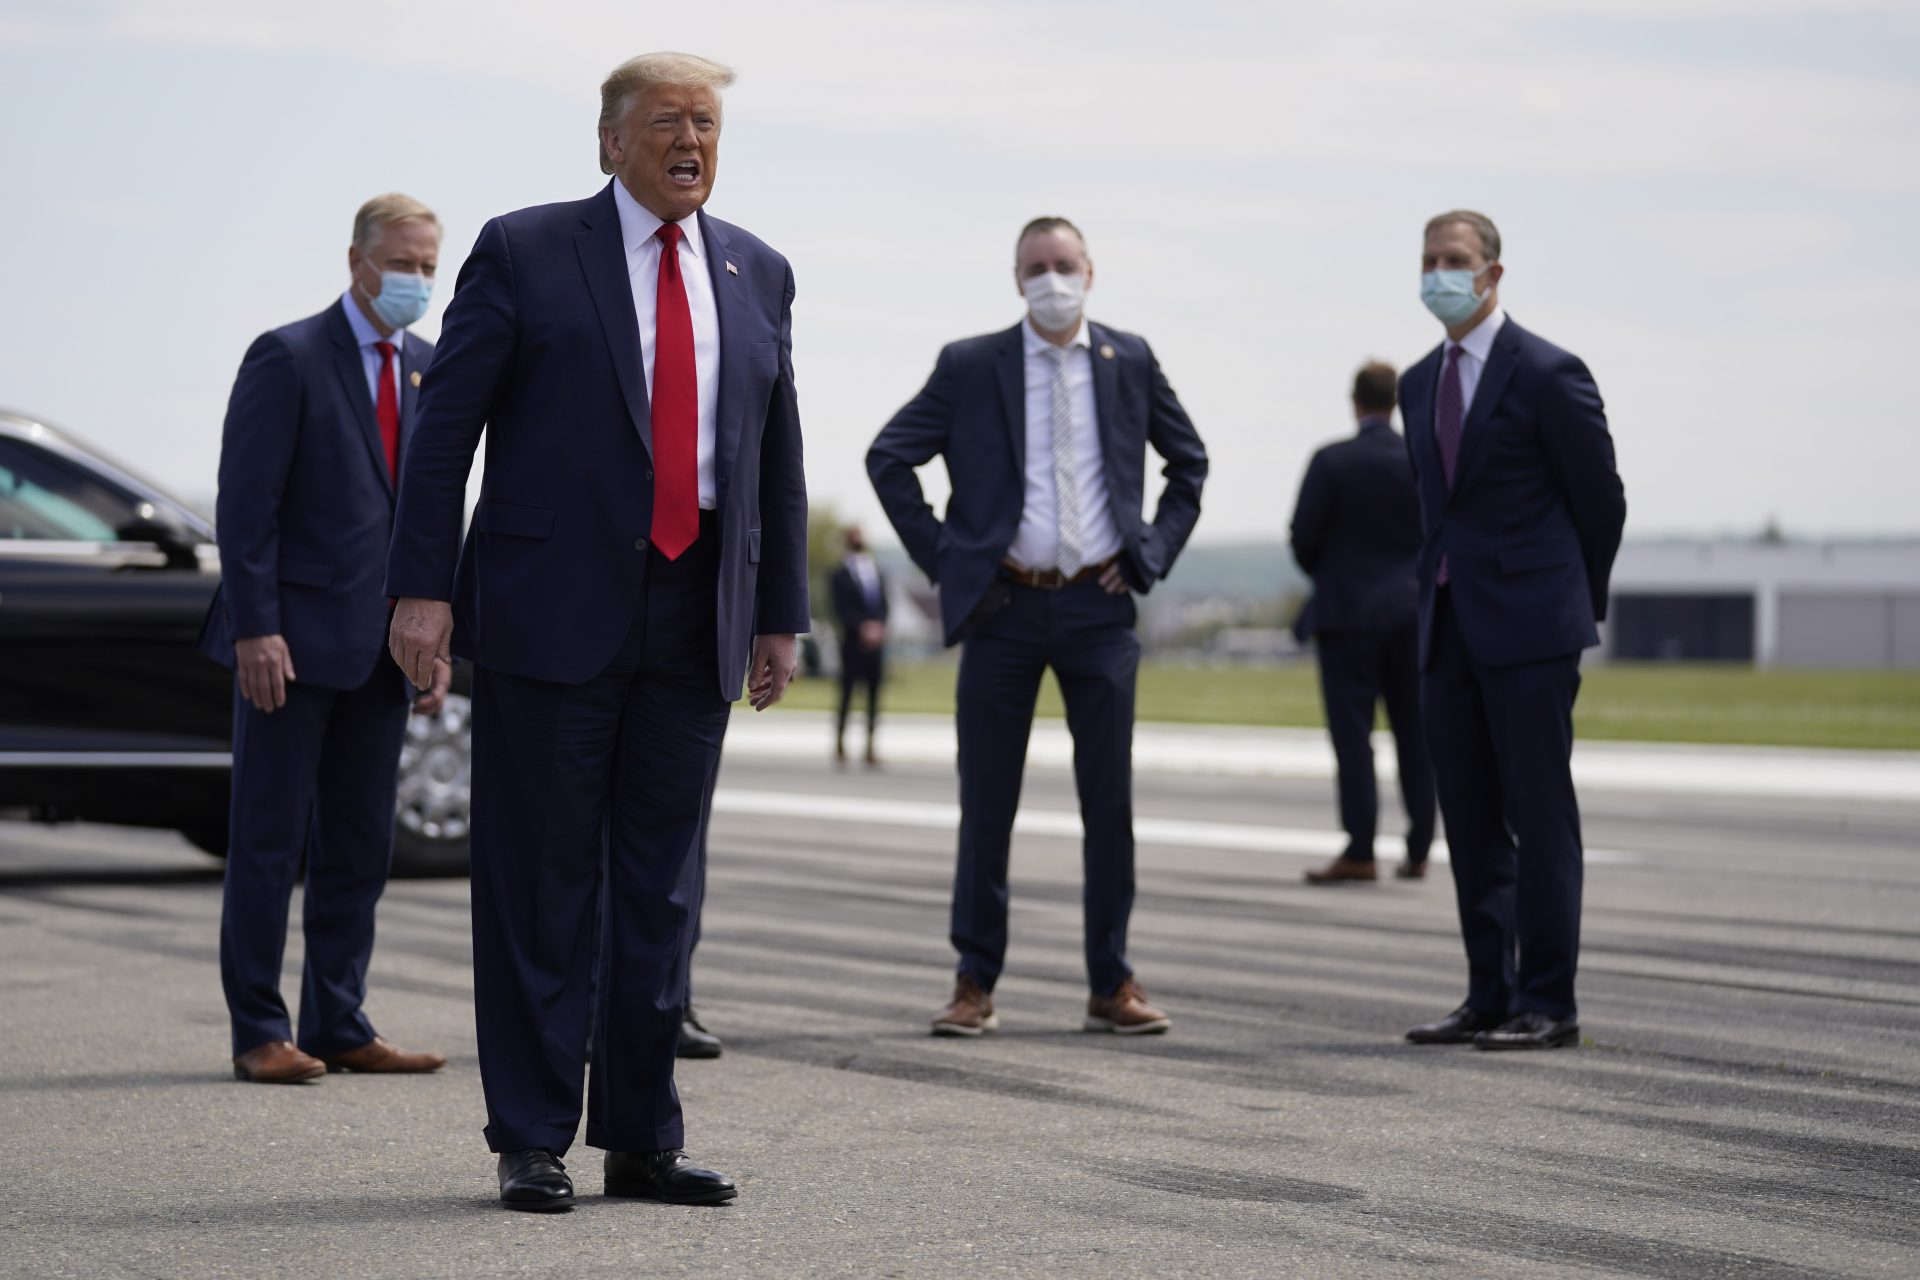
point(639, 544)
point(649, 475)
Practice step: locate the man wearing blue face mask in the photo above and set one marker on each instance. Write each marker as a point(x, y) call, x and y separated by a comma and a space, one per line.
point(318, 420)
point(1044, 428)
point(1522, 511)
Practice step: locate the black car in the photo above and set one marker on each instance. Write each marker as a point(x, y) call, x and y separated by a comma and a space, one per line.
point(108, 712)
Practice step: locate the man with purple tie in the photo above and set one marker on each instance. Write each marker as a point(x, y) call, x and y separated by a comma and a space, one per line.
point(640, 547)
point(1522, 511)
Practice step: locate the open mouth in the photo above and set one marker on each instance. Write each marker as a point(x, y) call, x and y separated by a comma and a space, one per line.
point(684, 173)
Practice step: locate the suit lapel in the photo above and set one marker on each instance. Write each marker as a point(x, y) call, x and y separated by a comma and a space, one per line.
point(1106, 396)
point(353, 384)
point(1493, 382)
point(603, 257)
point(1009, 367)
point(411, 367)
point(728, 272)
point(1416, 412)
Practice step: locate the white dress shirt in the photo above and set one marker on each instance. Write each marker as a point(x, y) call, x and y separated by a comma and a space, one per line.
point(366, 335)
point(1037, 544)
point(1472, 361)
point(866, 575)
point(637, 228)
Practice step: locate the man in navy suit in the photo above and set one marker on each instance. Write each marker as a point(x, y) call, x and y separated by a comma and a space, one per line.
point(1044, 429)
point(321, 413)
point(639, 548)
point(860, 609)
point(1523, 511)
point(1356, 531)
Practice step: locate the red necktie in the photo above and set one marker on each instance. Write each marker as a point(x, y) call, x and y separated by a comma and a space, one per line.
point(676, 408)
point(386, 407)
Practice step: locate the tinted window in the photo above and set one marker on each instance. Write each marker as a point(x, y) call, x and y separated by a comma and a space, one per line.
point(44, 497)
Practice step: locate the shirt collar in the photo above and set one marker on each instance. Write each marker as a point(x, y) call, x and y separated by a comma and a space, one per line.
point(1034, 344)
point(1479, 342)
point(1375, 421)
point(364, 334)
point(638, 224)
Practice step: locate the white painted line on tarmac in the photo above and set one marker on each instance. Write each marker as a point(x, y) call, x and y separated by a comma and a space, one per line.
point(935, 815)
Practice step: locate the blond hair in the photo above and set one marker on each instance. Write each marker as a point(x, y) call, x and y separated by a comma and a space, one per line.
point(636, 75)
point(383, 211)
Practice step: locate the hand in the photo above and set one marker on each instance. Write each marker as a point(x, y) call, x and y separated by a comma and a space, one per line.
point(421, 635)
point(434, 699)
point(1112, 581)
point(264, 666)
point(873, 634)
point(774, 658)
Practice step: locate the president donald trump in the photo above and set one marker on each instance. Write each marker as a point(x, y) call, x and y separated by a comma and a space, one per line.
point(639, 547)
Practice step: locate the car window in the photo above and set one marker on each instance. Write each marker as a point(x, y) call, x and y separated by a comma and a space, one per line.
point(47, 498)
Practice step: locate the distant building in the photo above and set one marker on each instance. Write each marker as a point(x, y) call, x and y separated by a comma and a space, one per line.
point(1785, 604)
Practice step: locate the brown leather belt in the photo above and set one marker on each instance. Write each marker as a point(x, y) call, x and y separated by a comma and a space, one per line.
point(1050, 579)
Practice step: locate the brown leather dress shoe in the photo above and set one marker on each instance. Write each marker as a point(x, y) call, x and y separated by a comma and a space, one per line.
point(378, 1056)
point(1341, 870)
point(969, 1013)
point(277, 1062)
point(1125, 1012)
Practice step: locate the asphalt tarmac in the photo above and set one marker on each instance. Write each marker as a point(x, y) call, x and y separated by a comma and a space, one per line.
point(1746, 1102)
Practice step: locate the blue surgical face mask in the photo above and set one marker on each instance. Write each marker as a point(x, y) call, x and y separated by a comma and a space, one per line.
point(402, 299)
point(1449, 294)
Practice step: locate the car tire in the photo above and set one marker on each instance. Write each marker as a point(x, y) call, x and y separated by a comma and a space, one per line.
point(432, 813)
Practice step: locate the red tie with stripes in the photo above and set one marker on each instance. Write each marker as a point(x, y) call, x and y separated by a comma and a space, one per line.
point(676, 408)
point(386, 408)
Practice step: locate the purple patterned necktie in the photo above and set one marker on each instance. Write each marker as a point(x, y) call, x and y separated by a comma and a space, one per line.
point(1448, 410)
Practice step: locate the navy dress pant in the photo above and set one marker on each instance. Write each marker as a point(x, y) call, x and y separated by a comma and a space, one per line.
point(1087, 636)
point(1358, 670)
point(616, 771)
point(313, 781)
point(1502, 746)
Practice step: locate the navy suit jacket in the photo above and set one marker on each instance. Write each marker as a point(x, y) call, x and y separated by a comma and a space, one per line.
point(850, 604)
point(1356, 532)
point(541, 348)
point(306, 502)
point(973, 412)
point(1533, 521)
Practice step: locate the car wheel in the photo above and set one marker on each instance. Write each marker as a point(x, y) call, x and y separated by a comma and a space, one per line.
point(432, 813)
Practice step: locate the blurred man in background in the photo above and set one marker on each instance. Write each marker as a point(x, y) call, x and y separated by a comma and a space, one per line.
point(1522, 510)
point(1356, 532)
point(1044, 428)
point(860, 608)
point(640, 547)
point(321, 414)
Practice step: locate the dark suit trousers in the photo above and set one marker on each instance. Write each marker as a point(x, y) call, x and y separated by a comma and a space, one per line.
point(1088, 638)
point(1358, 669)
point(313, 780)
point(1502, 744)
point(860, 667)
point(616, 772)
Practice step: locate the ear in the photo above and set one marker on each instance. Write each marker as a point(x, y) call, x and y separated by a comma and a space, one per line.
point(1089, 273)
point(610, 143)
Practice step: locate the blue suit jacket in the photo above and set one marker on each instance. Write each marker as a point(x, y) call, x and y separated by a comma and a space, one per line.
point(306, 502)
point(541, 349)
point(1534, 518)
point(1356, 531)
point(973, 412)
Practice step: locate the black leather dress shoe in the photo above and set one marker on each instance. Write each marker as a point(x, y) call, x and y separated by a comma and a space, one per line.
point(534, 1180)
point(1458, 1027)
point(1530, 1031)
point(695, 1040)
point(667, 1176)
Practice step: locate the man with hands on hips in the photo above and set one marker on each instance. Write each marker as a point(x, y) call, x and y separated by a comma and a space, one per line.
point(1044, 429)
point(639, 546)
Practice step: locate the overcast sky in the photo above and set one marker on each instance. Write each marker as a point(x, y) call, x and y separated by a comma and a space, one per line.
point(1713, 202)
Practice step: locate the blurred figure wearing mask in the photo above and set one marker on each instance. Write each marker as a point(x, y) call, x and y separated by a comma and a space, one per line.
point(1356, 532)
point(860, 607)
point(1044, 429)
point(1522, 511)
point(321, 416)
